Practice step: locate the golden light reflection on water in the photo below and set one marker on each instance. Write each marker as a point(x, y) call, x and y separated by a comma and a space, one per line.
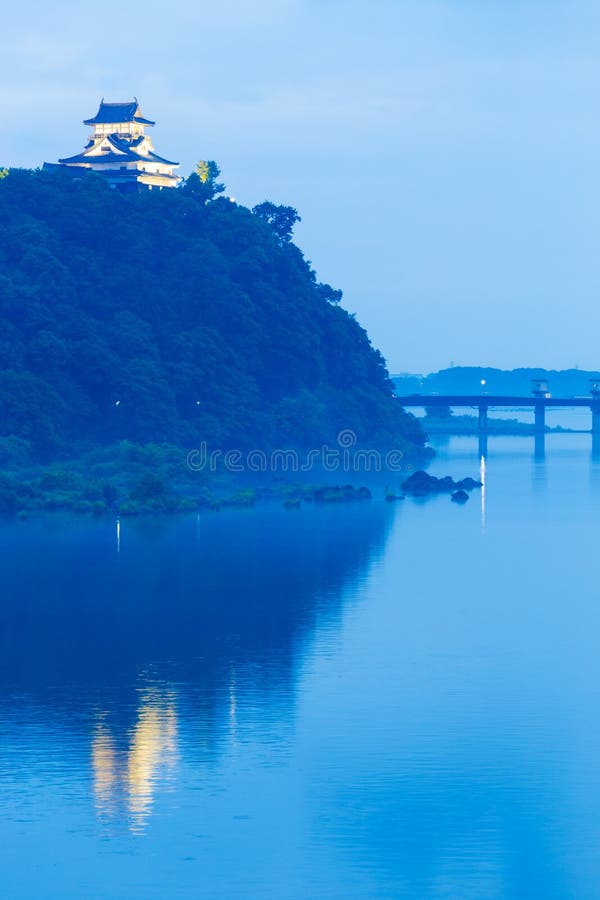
point(126, 779)
point(104, 766)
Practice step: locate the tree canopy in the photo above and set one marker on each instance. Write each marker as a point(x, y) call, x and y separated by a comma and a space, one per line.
point(203, 184)
point(280, 219)
point(173, 316)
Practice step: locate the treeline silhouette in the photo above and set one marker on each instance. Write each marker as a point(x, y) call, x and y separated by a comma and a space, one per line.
point(514, 382)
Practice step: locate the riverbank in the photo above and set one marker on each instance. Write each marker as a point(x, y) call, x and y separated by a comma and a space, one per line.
point(128, 479)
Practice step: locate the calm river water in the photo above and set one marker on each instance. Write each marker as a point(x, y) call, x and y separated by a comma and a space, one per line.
point(380, 700)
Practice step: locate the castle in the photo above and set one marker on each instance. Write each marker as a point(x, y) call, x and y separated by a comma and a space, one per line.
point(120, 150)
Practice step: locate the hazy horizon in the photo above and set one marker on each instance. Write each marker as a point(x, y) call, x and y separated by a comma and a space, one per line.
point(442, 154)
point(406, 374)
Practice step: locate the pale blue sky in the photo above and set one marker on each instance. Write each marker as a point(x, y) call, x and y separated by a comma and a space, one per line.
point(444, 154)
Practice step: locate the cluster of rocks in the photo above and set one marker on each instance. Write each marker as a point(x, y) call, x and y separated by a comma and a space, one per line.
point(421, 484)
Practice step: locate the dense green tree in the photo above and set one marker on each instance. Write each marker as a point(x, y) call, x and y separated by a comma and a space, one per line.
point(203, 184)
point(280, 219)
point(31, 410)
point(208, 172)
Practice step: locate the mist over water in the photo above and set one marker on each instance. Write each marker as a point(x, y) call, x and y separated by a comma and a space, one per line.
point(365, 700)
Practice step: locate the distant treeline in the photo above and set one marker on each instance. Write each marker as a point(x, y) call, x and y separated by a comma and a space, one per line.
point(467, 380)
point(173, 316)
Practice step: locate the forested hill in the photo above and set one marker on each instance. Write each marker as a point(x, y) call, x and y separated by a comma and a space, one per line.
point(163, 317)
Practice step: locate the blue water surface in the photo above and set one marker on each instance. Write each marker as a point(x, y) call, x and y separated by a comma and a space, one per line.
point(373, 700)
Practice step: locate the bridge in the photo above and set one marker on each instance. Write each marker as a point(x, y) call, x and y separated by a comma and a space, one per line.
point(539, 400)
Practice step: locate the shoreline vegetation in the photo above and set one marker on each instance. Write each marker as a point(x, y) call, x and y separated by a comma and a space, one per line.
point(129, 480)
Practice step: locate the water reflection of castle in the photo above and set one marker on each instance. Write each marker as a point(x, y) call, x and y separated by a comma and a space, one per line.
point(126, 778)
point(223, 609)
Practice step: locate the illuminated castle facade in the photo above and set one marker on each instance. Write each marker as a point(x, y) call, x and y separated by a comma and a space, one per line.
point(120, 150)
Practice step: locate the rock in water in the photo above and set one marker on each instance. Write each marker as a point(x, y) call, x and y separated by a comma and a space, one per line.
point(467, 484)
point(420, 483)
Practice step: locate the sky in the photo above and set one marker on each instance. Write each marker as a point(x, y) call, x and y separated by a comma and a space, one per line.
point(444, 154)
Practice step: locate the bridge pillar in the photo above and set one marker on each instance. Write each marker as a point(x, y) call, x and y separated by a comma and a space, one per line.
point(483, 445)
point(595, 407)
point(540, 417)
point(483, 430)
point(540, 446)
point(483, 418)
point(540, 429)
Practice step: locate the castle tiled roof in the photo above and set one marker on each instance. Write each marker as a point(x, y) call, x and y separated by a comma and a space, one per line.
point(121, 152)
point(109, 113)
